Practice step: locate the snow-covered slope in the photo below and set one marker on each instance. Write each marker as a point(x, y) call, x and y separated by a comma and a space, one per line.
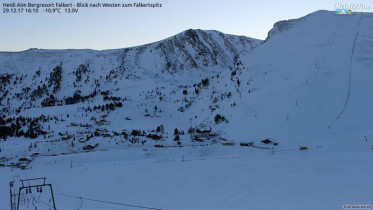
point(312, 78)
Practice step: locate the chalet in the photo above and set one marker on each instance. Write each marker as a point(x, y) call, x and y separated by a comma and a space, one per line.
point(246, 144)
point(73, 124)
point(106, 135)
point(66, 137)
point(90, 147)
point(23, 162)
point(267, 141)
point(203, 131)
point(85, 125)
point(35, 154)
point(154, 136)
point(82, 139)
point(198, 139)
point(158, 145)
point(101, 122)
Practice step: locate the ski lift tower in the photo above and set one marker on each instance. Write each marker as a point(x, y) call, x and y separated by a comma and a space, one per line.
point(27, 186)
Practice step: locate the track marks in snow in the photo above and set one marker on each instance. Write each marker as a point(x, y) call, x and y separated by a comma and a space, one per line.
point(301, 99)
point(349, 77)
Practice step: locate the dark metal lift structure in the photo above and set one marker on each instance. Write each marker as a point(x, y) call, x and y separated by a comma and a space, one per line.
point(28, 188)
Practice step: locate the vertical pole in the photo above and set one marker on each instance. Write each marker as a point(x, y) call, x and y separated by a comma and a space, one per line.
point(19, 196)
point(54, 204)
point(11, 198)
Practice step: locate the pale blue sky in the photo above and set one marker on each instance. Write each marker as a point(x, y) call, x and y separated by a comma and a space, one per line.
point(125, 27)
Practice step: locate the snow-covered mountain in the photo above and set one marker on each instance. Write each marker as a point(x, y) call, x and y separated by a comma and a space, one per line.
point(37, 74)
point(312, 80)
point(307, 82)
point(185, 118)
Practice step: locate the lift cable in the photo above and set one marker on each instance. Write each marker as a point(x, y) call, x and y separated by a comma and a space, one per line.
point(108, 202)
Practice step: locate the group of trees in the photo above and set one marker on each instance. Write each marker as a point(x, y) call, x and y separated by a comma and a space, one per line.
point(49, 101)
point(76, 98)
point(113, 98)
point(156, 137)
point(82, 69)
point(55, 78)
point(107, 107)
point(26, 127)
point(160, 128)
point(5, 80)
point(39, 92)
point(205, 82)
point(177, 133)
point(219, 118)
